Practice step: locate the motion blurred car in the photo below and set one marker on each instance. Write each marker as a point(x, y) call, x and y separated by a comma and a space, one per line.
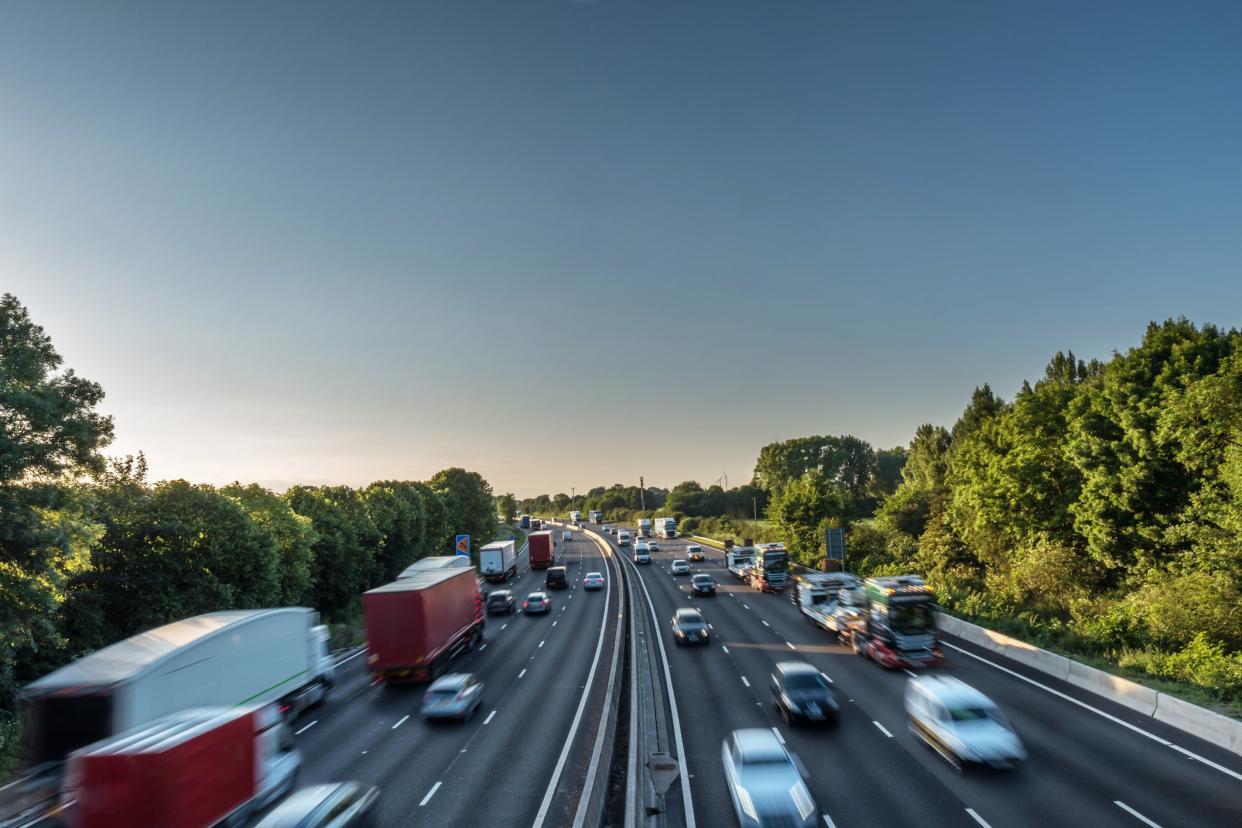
point(567, 535)
point(694, 552)
point(653, 545)
point(557, 578)
point(802, 694)
point(961, 724)
point(607, 530)
point(335, 805)
point(500, 602)
point(537, 603)
point(593, 580)
point(690, 627)
point(766, 781)
point(680, 567)
point(703, 584)
point(454, 696)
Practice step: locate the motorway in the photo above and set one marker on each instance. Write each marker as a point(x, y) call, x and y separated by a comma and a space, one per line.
point(522, 759)
point(1091, 762)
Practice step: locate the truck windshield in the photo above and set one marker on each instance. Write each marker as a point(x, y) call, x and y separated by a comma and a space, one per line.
point(913, 619)
point(774, 562)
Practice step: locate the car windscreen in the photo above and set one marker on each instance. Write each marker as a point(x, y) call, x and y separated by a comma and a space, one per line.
point(805, 681)
point(980, 713)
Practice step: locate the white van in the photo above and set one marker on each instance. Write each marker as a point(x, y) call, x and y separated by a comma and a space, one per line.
point(642, 553)
point(623, 538)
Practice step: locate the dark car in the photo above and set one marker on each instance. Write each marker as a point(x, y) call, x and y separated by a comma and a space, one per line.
point(690, 627)
point(802, 693)
point(537, 603)
point(500, 602)
point(556, 578)
point(335, 805)
point(703, 584)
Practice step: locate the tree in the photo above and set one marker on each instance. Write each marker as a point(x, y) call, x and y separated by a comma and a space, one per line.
point(803, 509)
point(467, 501)
point(293, 535)
point(888, 466)
point(347, 546)
point(846, 462)
point(506, 506)
point(397, 510)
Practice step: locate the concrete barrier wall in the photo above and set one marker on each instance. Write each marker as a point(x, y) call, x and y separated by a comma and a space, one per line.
point(1190, 718)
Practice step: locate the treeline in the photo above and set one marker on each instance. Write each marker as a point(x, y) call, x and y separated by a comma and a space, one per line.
point(92, 552)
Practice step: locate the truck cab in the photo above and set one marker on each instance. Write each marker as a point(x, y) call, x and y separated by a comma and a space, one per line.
point(770, 570)
point(898, 627)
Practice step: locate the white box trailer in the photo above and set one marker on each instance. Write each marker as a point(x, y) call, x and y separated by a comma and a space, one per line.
point(498, 561)
point(227, 658)
point(666, 527)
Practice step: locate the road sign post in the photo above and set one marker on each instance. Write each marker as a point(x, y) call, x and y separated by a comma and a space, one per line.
point(834, 539)
point(462, 545)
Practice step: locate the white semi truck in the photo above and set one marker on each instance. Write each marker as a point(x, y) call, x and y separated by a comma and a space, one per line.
point(575, 517)
point(666, 527)
point(644, 527)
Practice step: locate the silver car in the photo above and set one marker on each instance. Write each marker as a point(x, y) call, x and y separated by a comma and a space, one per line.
point(961, 724)
point(766, 782)
point(679, 567)
point(455, 696)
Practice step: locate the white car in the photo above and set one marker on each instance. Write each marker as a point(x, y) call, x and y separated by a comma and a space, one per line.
point(567, 535)
point(654, 545)
point(765, 781)
point(593, 580)
point(960, 723)
point(680, 567)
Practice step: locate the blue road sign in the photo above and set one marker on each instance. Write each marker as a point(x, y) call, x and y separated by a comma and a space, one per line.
point(462, 545)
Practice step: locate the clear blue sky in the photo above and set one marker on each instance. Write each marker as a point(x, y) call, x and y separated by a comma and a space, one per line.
point(349, 241)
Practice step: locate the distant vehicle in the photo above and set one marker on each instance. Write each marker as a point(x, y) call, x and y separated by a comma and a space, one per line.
point(500, 602)
point(557, 578)
point(802, 694)
point(694, 552)
point(567, 535)
point(897, 625)
point(642, 553)
point(961, 724)
point(766, 782)
point(607, 530)
point(192, 769)
point(690, 627)
point(739, 560)
point(653, 545)
point(217, 659)
point(595, 516)
point(680, 567)
point(623, 537)
point(593, 580)
point(498, 561)
point(535, 524)
point(703, 584)
point(574, 517)
point(455, 696)
point(335, 805)
point(542, 549)
point(644, 527)
point(416, 625)
point(525, 521)
point(769, 571)
point(832, 600)
point(666, 527)
point(537, 603)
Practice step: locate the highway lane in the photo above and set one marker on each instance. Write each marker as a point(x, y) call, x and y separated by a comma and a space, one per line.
point(535, 671)
point(1084, 768)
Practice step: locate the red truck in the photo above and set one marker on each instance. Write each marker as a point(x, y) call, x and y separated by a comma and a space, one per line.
point(417, 624)
point(192, 769)
point(542, 549)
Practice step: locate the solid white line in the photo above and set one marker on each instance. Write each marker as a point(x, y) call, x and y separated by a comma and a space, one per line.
point(430, 794)
point(573, 727)
point(488, 720)
point(779, 737)
point(401, 721)
point(350, 658)
point(1099, 712)
point(305, 728)
point(744, 681)
point(977, 818)
point(883, 729)
point(522, 673)
point(1123, 806)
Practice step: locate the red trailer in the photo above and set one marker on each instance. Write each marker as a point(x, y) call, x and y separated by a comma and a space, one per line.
point(189, 770)
point(417, 624)
point(542, 550)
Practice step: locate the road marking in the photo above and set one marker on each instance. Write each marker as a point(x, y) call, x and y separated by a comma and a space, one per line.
point(345, 660)
point(502, 626)
point(765, 623)
point(488, 720)
point(1123, 806)
point(882, 728)
point(554, 623)
point(744, 681)
point(977, 818)
point(305, 728)
point(401, 721)
point(779, 737)
point(482, 647)
point(522, 673)
point(747, 606)
point(1099, 712)
point(541, 643)
point(430, 794)
point(910, 673)
point(828, 821)
point(723, 647)
point(827, 678)
point(710, 627)
point(790, 646)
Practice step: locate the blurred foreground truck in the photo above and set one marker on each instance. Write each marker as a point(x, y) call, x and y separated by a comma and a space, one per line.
point(542, 550)
point(896, 626)
point(193, 769)
point(417, 624)
point(498, 561)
